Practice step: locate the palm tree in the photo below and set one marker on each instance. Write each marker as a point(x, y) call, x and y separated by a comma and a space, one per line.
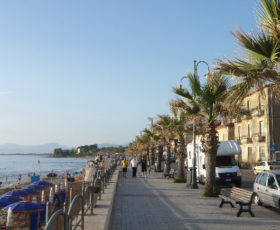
point(260, 63)
point(206, 102)
point(181, 129)
point(166, 131)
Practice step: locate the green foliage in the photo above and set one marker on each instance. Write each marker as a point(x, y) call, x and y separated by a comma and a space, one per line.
point(86, 150)
point(211, 192)
point(180, 180)
point(158, 170)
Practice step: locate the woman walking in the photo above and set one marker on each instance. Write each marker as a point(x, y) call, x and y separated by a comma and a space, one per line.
point(124, 166)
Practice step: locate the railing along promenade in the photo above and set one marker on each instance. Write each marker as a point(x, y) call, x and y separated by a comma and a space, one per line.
point(71, 215)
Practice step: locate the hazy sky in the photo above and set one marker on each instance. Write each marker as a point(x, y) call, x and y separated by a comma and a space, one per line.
point(83, 71)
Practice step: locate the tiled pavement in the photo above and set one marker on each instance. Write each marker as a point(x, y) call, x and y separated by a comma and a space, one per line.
point(157, 203)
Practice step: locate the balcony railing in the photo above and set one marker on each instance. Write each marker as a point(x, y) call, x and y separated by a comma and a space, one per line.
point(261, 138)
point(258, 111)
point(249, 140)
point(247, 115)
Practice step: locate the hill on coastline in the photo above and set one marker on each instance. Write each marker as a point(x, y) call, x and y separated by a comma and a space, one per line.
point(44, 148)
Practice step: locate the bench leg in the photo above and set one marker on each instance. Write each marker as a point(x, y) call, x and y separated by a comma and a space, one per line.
point(250, 211)
point(225, 202)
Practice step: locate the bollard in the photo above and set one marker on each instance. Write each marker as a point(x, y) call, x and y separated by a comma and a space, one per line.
point(66, 222)
point(91, 200)
point(47, 212)
point(70, 195)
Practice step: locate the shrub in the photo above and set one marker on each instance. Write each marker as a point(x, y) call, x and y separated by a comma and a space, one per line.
point(180, 180)
point(159, 170)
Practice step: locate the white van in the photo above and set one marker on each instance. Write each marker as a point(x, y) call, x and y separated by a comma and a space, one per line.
point(227, 170)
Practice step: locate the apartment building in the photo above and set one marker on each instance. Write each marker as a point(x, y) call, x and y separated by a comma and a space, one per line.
point(258, 128)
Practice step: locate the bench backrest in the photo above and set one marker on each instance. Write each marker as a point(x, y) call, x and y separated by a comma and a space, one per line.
point(241, 194)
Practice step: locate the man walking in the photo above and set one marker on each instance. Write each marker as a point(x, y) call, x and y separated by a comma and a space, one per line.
point(134, 164)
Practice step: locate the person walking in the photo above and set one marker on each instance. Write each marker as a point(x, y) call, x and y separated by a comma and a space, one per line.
point(124, 166)
point(134, 164)
point(144, 166)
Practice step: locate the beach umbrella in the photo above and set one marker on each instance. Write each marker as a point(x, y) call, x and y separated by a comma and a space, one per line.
point(10, 199)
point(21, 192)
point(43, 183)
point(74, 173)
point(9, 218)
point(3, 203)
point(35, 186)
point(23, 207)
point(30, 191)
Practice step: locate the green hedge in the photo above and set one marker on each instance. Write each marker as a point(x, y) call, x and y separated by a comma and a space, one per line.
point(180, 180)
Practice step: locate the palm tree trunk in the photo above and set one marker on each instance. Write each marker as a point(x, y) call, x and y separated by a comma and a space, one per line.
point(181, 158)
point(167, 160)
point(211, 146)
point(159, 157)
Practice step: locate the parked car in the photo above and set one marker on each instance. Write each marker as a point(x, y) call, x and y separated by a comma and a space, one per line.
point(267, 189)
point(267, 166)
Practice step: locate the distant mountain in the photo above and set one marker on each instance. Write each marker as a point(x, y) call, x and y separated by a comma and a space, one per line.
point(45, 148)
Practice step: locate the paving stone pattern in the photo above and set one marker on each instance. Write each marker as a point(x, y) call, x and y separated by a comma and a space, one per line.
point(158, 203)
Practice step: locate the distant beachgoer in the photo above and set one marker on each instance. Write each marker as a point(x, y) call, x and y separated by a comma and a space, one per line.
point(124, 166)
point(19, 178)
point(101, 165)
point(144, 166)
point(134, 164)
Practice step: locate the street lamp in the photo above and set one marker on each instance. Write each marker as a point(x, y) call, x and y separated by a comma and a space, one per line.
point(192, 182)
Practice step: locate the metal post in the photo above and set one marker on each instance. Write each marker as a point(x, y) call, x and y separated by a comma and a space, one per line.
point(47, 212)
point(70, 195)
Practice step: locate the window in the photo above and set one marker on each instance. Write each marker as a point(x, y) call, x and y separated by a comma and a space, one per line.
point(262, 180)
point(248, 106)
point(271, 183)
point(190, 154)
point(260, 102)
point(239, 132)
point(249, 130)
point(260, 128)
point(261, 153)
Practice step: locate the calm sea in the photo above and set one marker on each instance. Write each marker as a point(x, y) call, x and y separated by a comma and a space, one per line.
point(13, 165)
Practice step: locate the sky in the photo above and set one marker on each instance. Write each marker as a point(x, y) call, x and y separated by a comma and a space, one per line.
point(78, 72)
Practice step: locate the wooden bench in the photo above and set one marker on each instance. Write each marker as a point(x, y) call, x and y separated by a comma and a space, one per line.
point(238, 196)
point(170, 174)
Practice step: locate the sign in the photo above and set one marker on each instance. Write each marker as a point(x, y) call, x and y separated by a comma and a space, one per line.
point(273, 147)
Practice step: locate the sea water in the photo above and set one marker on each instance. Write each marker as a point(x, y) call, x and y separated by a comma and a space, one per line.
point(13, 165)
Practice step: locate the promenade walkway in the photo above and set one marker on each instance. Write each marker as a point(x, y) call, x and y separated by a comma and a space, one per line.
point(157, 203)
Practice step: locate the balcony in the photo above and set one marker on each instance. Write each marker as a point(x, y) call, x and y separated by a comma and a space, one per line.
point(249, 140)
point(238, 140)
point(258, 111)
point(246, 115)
point(261, 138)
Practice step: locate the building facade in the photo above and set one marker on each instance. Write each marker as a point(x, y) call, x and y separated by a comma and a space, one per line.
point(257, 129)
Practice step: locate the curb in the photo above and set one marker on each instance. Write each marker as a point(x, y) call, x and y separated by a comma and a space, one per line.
point(108, 217)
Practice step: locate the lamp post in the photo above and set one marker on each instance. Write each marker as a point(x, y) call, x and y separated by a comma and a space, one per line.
point(192, 183)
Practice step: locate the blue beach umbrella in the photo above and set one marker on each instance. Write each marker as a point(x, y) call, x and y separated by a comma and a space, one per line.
point(3, 203)
point(75, 173)
point(42, 183)
point(10, 199)
point(35, 186)
point(21, 192)
point(24, 207)
point(30, 191)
